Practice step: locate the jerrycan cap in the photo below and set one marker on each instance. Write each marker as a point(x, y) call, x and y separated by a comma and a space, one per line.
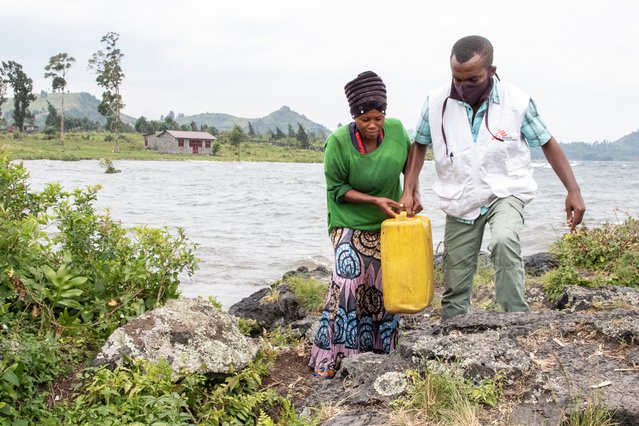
point(403, 215)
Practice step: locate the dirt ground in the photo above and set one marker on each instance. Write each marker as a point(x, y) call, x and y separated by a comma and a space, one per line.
point(291, 376)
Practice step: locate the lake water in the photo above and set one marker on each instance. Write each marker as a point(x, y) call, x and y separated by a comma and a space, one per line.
point(256, 221)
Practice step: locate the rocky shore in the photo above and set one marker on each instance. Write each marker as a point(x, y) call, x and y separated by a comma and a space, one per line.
point(551, 361)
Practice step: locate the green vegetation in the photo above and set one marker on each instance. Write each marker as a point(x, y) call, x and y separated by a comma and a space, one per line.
point(310, 293)
point(444, 398)
point(63, 293)
point(608, 255)
point(95, 145)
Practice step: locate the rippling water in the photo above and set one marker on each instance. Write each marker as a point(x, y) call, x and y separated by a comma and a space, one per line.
point(255, 221)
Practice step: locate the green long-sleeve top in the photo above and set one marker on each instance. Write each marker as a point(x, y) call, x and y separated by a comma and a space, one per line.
point(376, 173)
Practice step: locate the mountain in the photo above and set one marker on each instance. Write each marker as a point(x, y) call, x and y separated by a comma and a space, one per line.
point(86, 105)
point(625, 148)
point(75, 105)
point(280, 118)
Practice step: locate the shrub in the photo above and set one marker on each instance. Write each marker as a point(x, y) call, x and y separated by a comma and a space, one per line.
point(608, 255)
point(310, 292)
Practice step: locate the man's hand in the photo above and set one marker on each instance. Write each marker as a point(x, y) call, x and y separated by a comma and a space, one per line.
point(412, 203)
point(575, 209)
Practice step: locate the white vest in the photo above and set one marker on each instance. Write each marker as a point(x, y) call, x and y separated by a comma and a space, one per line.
point(475, 174)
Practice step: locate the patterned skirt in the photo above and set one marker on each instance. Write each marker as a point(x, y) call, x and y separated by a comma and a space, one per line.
point(353, 319)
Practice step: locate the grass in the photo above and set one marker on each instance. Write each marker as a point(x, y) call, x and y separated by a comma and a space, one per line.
point(442, 399)
point(92, 146)
point(310, 293)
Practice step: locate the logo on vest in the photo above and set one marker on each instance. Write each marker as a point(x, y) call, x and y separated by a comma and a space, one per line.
point(502, 136)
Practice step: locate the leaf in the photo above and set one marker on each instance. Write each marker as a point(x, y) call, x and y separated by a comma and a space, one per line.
point(10, 376)
point(71, 293)
point(77, 280)
point(50, 273)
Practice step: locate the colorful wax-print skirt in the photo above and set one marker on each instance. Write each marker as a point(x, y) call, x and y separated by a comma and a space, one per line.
point(353, 319)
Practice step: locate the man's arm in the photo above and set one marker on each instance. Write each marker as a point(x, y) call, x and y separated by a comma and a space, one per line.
point(575, 206)
point(413, 167)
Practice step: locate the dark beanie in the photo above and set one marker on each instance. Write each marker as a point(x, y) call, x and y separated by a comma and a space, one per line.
point(366, 92)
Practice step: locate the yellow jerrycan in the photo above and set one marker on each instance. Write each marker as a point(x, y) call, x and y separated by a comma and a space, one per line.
point(407, 263)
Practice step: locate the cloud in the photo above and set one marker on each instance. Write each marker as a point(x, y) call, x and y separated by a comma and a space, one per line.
point(248, 58)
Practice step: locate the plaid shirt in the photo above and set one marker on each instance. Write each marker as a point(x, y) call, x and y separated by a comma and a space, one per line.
point(532, 128)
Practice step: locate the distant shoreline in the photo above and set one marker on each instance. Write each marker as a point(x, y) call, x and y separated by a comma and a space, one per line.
point(92, 146)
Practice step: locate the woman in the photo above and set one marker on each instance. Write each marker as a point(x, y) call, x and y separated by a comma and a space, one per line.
point(362, 164)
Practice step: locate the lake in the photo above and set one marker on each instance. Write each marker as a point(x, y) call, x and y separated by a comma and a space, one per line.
point(255, 221)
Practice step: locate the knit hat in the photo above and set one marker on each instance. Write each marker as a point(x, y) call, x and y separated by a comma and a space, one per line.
point(366, 92)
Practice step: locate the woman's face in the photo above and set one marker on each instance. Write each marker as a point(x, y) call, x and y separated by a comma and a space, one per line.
point(370, 123)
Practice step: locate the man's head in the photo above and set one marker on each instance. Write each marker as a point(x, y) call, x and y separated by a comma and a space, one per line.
point(471, 64)
point(469, 46)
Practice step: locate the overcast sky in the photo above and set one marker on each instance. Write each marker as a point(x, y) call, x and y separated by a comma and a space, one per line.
point(579, 60)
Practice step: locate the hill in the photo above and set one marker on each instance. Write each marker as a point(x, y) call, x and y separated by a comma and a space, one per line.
point(78, 105)
point(625, 148)
point(86, 105)
point(280, 118)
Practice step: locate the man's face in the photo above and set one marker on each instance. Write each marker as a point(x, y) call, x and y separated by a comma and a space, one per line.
point(472, 72)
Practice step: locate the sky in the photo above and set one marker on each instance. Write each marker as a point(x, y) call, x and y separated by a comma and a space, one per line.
point(579, 60)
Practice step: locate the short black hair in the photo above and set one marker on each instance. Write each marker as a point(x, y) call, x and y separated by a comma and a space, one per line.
point(469, 46)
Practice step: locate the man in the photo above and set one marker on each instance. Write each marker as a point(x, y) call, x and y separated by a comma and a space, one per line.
point(481, 131)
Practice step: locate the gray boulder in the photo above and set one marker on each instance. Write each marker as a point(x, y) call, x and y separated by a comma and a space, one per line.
point(278, 306)
point(191, 334)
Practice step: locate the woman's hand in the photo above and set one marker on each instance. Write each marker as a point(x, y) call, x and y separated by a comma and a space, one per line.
point(390, 207)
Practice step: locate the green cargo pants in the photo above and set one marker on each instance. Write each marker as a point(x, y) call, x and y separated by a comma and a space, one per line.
point(462, 243)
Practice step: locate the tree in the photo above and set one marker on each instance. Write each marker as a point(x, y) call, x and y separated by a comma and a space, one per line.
point(279, 134)
point(57, 70)
point(109, 76)
point(251, 132)
point(302, 137)
point(22, 92)
point(143, 126)
point(236, 137)
point(3, 89)
point(291, 132)
point(52, 120)
point(193, 126)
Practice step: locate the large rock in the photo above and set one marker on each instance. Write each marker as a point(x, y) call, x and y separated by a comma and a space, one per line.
point(191, 334)
point(278, 306)
point(562, 360)
point(577, 298)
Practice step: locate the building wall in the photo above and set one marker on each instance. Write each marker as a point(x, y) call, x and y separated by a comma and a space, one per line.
point(167, 143)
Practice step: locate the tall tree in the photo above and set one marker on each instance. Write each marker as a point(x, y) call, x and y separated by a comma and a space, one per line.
point(22, 92)
point(302, 137)
point(3, 90)
point(236, 137)
point(251, 131)
point(109, 76)
point(57, 70)
point(291, 132)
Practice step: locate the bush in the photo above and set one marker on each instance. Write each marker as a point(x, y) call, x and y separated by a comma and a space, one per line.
point(84, 280)
point(608, 255)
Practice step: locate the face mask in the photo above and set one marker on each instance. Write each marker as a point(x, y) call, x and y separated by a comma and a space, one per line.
point(473, 93)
